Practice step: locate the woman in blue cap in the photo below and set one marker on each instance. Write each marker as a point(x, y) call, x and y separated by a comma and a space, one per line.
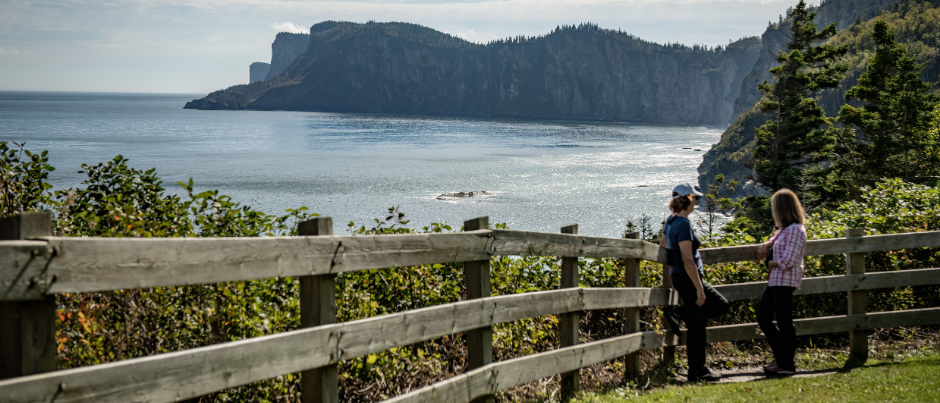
point(699, 300)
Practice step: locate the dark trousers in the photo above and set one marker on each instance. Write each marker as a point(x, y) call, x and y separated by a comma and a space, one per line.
point(696, 317)
point(782, 336)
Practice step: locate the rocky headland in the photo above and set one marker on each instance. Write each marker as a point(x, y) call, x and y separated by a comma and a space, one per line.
point(576, 72)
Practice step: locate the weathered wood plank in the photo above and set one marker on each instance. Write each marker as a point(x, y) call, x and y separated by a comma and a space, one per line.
point(833, 324)
point(825, 284)
point(99, 264)
point(631, 317)
point(23, 274)
point(614, 298)
point(317, 308)
point(857, 299)
point(910, 317)
point(835, 246)
point(368, 336)
point(27, 328)
point(524, 243)
point(911, 240)
point(568, 323)
point(478, 284)
point(180, 375)
point(509, 373)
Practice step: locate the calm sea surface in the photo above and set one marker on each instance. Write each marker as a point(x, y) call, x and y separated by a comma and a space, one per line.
point(542, 174)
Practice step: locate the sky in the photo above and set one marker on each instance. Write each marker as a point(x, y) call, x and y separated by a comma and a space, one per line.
point(199, 46)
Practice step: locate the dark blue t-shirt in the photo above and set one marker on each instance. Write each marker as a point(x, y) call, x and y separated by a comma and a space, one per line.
point(678, 229)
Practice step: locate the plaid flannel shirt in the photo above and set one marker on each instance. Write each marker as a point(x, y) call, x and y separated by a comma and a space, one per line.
point(788, 244)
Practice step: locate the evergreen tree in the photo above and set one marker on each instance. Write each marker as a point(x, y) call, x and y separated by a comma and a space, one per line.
point(889, 136)
point(796, 138)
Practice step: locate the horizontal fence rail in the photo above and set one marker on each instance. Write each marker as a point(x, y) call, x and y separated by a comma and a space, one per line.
point(33, 269)
point(51, 265)
point(835, 246)
point(850, 282)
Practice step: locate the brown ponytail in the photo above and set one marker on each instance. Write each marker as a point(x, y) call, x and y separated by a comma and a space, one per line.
point(681, 203)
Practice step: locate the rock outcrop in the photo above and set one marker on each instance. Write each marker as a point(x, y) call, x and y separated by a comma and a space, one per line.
point(572, 73)
point(285, 49)
point(258, 71)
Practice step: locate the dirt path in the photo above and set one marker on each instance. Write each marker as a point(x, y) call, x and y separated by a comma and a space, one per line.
point(748, 374)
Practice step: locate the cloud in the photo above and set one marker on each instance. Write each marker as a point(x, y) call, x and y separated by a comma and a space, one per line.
point(289, 27)
point(9, 52)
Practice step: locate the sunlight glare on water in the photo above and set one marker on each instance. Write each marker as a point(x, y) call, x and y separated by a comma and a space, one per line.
point(541, 174)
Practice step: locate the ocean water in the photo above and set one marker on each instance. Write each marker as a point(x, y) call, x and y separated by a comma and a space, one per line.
point(539, 175)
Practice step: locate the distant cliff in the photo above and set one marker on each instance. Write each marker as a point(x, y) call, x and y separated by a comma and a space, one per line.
point(579, 72)
point(258, 71)
point(287, 47)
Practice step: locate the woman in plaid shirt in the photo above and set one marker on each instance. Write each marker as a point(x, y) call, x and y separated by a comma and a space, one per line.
point(785, 262)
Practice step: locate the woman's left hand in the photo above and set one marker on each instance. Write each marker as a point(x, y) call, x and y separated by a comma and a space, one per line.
point(772, 264)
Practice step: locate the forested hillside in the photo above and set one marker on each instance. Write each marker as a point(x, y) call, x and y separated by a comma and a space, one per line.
point(574, 72)
point(916, 25)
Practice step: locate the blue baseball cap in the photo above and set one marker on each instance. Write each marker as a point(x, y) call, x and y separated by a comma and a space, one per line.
point(685, 189)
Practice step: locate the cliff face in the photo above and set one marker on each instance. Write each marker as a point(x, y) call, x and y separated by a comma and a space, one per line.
point(573, 73)
point(285, 49)
point(258, 71)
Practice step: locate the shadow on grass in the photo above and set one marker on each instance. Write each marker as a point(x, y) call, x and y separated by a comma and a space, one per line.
point(853, 363)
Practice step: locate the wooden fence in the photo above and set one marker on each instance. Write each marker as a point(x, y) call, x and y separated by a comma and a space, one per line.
point(34, 266)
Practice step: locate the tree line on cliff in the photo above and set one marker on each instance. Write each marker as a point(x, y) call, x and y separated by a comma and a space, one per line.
point(574, 72)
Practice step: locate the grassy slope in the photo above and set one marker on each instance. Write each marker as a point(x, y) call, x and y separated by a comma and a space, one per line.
point(913, 380)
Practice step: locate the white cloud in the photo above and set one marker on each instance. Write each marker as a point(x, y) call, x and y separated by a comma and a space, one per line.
point(9, 52)
point(289, 27)
point(214, 39)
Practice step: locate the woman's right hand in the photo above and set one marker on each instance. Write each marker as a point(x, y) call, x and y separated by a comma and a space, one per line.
point(762, 251)
point(701, 297)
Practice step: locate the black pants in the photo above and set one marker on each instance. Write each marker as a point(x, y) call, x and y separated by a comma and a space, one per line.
point(782, 336)
point(696, 317)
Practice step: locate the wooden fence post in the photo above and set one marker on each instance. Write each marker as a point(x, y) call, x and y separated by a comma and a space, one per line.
point(477, 280)
point(318, 307)
point(631, 277)
point(27, 328)
point(857, 300)
point(568, 322)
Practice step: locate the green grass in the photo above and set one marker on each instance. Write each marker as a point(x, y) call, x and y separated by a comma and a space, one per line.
point(913, 380)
